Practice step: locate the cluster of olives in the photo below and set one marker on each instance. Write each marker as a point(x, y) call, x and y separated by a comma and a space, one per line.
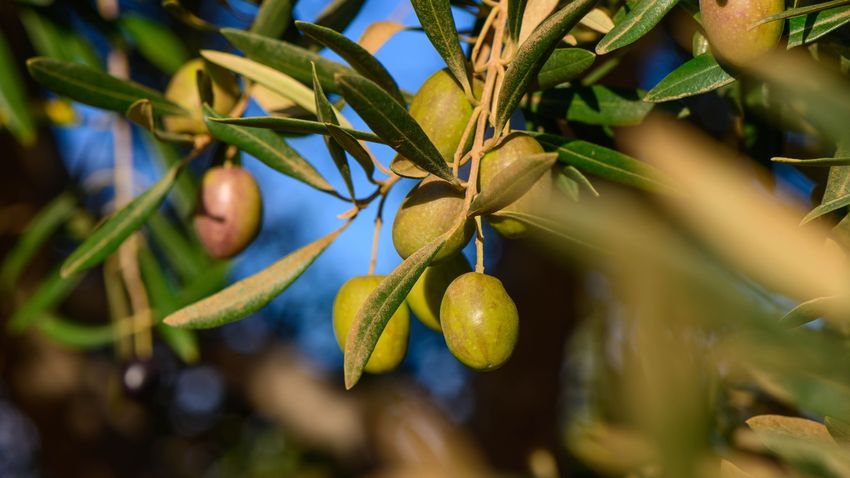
point(477, 317)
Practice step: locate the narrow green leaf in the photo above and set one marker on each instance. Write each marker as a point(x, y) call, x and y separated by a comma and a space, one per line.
point(273, 18)
point(800, 11)
point(112, 232)
point(354, 148)
point(37, 232)
point(75, 335)
point(250, 294)
point(381, 304)
point(338, 14)
point(49, 294)
point(607, 163)
point(565, 64)
point(548, 226)
point(406, 168)
point(141, 113)
point(516, 9)
point(184, 255)
point(394, 124)
point(15, 112)
point(838, 429)
point(361, 60)
point(269, 148)
point(845, 161)
point(573, 173)
point(272, 79)
point(286, 57)
point(439, 24)
point(699, 75)
point(812, 310)
point(806, 29)
point(178, 11)
point(837, 193)
point(533, 53)
point(325, 113)
point(637, 23)
point(596, 105)
point(294, 126)
point(157, 43)
point(96, 88)
point(57, 41)
point(183, 342)
point(512, 182)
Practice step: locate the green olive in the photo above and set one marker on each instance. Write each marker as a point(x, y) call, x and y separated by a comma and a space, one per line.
point(392, 346)
point(727, 23)
point(183, 90)
point(442, 109)
point(430, 210)
point(427, 293)
point(480, 321)
point(515, 146)
point(230, 211)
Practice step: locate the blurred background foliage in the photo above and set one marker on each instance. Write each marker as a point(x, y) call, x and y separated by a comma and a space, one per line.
point(659, 332)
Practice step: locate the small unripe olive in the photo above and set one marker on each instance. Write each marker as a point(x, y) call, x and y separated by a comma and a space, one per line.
point(727, 22)
point(442, 109)
point(430, 210)
point(183, 90)
point(509, 150)
point(427, 293)
point(229, 211)
point(480, 321)
point(392, 346)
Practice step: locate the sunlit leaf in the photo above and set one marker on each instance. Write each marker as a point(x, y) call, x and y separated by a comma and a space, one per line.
point(637, 23)
point(269, 148)
point(354, 148)
point(326, 114)
point(512, 182)
point(565, 64)
point(251, 294)
point(699, 75)
point(393, 124)
point(380, 306)
point(806, 29)
point(812, 310)
point(406, 168)
point(800, 11)
point(437, 20)
point(533, 53)
point(295, 126)
point(377, 34)
point(94, 87)
point(822, 162)
point(272, 18)
point(597, 105)
point(597, 20)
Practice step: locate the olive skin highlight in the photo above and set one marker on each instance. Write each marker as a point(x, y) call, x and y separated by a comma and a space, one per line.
point(230, 211)
point(480, 321)
point(392, 345)
point(727, 22)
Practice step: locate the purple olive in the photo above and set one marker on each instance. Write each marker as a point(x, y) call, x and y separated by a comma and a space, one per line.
point(229, 211)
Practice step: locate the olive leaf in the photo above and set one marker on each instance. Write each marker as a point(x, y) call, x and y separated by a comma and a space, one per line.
point(607, 163)
point(596, 105)
point(49, 294)
point(837, 192)
point(76, 335)
point(51, 39)
point(380, 306)
point(406, 168)
point(548, 226)
point(812, 310)
point(791, 427)
point(436, 19)
point(512, 182)
point(14, 109)
point(251, 294)
point(286, 57)
point(394, 124)
point(269, 148)
point(354, 148)
point(516, 9)
point(141, 113)
point(800, 11)
point(379, 33)
point(157, 43)
point(93, 87)
point(272, 79)
point(112, 232)
point(532, 55)
point(294, 126)
point(838, 429)
point(326, 114)
point(338, 14)
point(361, 60)
point(803, 30)
point(637, 23)
point(37, 232)
point(700, 74)
point(574, 174)
point(272, 18)
point(730, 470)
point(565, 64)
point(178, 11)
point(823, 162)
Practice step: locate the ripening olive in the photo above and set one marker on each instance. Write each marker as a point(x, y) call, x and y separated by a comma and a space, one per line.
point(480, 321)
point(183, 90)
point(427, 293)
point(392, 346)
point(442, 109)
point(727, 23)
point(229, 212)
point(509, 150)
point(430, 210)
